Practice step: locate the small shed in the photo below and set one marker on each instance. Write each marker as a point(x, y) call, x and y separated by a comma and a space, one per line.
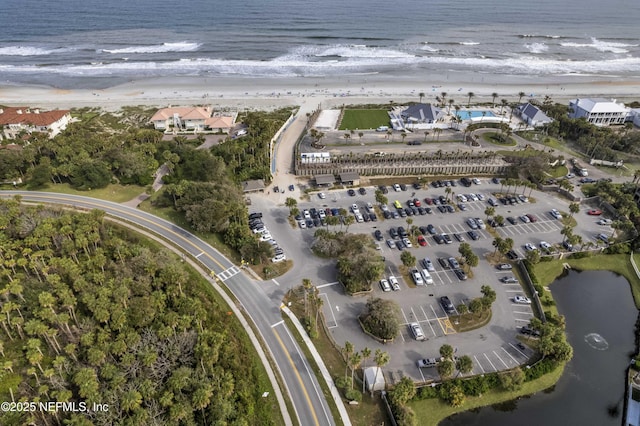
point(350, 178)
point(374, 379)
point(324, 180)
point(256, 185)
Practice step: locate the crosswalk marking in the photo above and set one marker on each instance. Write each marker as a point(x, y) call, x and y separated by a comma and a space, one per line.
point(228, 273)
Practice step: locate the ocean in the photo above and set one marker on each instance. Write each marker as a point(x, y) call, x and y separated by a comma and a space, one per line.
point(98, 43)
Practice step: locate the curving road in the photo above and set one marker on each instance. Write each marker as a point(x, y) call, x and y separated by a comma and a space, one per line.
point(306, 395)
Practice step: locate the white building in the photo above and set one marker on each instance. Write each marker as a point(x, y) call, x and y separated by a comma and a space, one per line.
point(15, 120)
point(532, 115)
point(192, 119)
point(598, 111)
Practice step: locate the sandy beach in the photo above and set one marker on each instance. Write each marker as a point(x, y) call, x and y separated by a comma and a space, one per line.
point(268, 93)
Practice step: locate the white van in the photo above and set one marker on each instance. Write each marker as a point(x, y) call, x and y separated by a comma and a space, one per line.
point(427, 277)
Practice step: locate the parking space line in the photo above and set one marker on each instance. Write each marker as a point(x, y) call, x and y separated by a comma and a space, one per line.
point(438, 319)
point(404, 316)
point(448, 327)
point(479, 365)
point(522, 313)
point(328, 305)
point(507, 352)
point(492, 366)
point(501, 360)
point(428, 322)
point(523, 320)
point(518, 350)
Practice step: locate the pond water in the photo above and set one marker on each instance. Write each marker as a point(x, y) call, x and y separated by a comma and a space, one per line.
point(600, 318)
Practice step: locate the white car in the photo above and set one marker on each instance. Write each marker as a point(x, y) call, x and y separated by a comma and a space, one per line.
point(416, 331)
point(525, 219)
point(396, 187)
point(545, 245)
point(384, 285)
point(359, 218)
point(417, 278)
point(530, 247)
point(480, 197)
point(555, 213)
point(394, 283)
point(476, 181)
point(354, 208)
point(462, 198)
point(303, 224)
point(605, 222)
point(480, 223)
point(322, 195)
point(322, 214)
point(391, 243)
point(407, 242)
point(266, 237)
point(426, 276)
point(306, 214)
point(522, 299)
point(428, 264)
point(279, 258)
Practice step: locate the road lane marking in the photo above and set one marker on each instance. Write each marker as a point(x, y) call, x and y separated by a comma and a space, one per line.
point(277, 324)
point(275, 282)
point(297, 373)
point(199, 254)
point(327, 285)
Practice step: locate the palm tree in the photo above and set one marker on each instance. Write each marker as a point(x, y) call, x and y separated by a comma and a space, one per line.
point(470, 95)
point(390, 135)
point(520, 96)
point(360, 135)
point(503, 103)
point(381, 359)
point(349, 220)
point(574, 208)
point(443, 97)
point(347, 351)
point(366, 353)
point(451, 102)
point(421, 95)
point(494, 95)
point(403, 135)
point(489, 211)
point(427, 134)
point(464, 364)
point(354, 362)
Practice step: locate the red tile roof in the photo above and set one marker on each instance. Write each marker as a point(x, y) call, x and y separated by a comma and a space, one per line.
point(34, 117)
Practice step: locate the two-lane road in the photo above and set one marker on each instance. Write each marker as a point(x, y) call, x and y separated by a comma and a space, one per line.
point(305, 393)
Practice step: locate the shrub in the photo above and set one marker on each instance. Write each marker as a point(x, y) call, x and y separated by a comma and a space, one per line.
point(451, 392)
point(381, 318)
point(541, 368)
point(353, 395)
point(512, 380)
point(343, 382)
point(539, 289)
point(426, 392)
point(579, 255)
point(404, 415)
point(476, 386)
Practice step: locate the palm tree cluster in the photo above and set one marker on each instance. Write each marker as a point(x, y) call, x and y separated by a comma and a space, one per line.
point(91, 314)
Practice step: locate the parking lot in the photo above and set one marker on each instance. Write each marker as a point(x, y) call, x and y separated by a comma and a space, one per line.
point(493, 347)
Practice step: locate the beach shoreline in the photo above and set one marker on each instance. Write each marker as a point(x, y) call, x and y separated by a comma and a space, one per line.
point(246, 93)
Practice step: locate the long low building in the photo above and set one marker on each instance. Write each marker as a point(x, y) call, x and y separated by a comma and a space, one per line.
point(17, 120)
point(192, 120)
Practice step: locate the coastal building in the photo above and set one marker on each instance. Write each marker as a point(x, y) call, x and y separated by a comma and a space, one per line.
point(17, 120)
point(634, 116)
point(421, 113)
point(192, 120)
point(532, 115)
point(598, 111)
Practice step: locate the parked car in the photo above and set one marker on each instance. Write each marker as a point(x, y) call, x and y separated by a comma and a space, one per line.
point(529, 331)
point(407, 242)
point(417, 278)
point(443, 262)
point(472, 223)
point(462, 276)
point(473, 235)
point(459, 237)
point(378, 235)
point(351, 193)
point(426, 276)
point(512, 220)
point(393, 281)
point(384, 285)
point(396, 187)
point(431, 229)
point(391, 243)
point(416, 331)
point(447, 305)
point(447, 238)
point(545, 245)
point(454, 263)
point(504, 267)
point(427, 363)
point(530, 247)
point(428, 264)
point(522, 299)
point(555, 213)
point(605, 222)
point(532, 218)
point(594, 212)
point(438, 239)
point(512, 255)
point(422, 241)
point(480, 223)
point(509, 280)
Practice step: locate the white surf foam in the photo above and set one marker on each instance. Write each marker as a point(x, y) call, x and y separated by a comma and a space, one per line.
point(537, 47)
point(602, 46)
point(469, 43)
point(31, 50)
point(183, 46)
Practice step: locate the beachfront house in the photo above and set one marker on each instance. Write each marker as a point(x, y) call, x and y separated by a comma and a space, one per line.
point(192, 120)
point(17, 120)
point(421, 114)
point(598, 111)
point(532, 115)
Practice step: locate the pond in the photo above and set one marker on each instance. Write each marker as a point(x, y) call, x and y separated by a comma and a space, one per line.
point(600, 317)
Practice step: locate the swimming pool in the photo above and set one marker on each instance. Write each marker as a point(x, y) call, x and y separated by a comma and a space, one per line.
point(474, 113)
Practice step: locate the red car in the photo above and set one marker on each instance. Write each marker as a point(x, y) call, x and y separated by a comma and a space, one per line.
point(428, 201)
point(422, 241)
point(532, 218)
point(416, 202)
point(594, 212)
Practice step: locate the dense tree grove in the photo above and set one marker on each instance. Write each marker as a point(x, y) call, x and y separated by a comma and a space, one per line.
point(90, 314)
point(381, 318)
point(91, 153)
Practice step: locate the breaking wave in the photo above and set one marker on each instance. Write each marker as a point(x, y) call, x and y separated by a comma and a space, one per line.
point(183, 46)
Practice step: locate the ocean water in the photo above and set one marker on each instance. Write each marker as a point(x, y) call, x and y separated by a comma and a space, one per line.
point(97, 43)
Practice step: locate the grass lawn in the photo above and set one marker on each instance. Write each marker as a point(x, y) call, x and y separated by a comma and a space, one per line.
point(494, 138)
point(558, 172)
point(354, 119)
point(432, 411)
point(114, 192)
point(547, 272)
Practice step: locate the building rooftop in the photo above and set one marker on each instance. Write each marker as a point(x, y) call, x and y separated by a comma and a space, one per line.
point(596, 105)
point(34, 117)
